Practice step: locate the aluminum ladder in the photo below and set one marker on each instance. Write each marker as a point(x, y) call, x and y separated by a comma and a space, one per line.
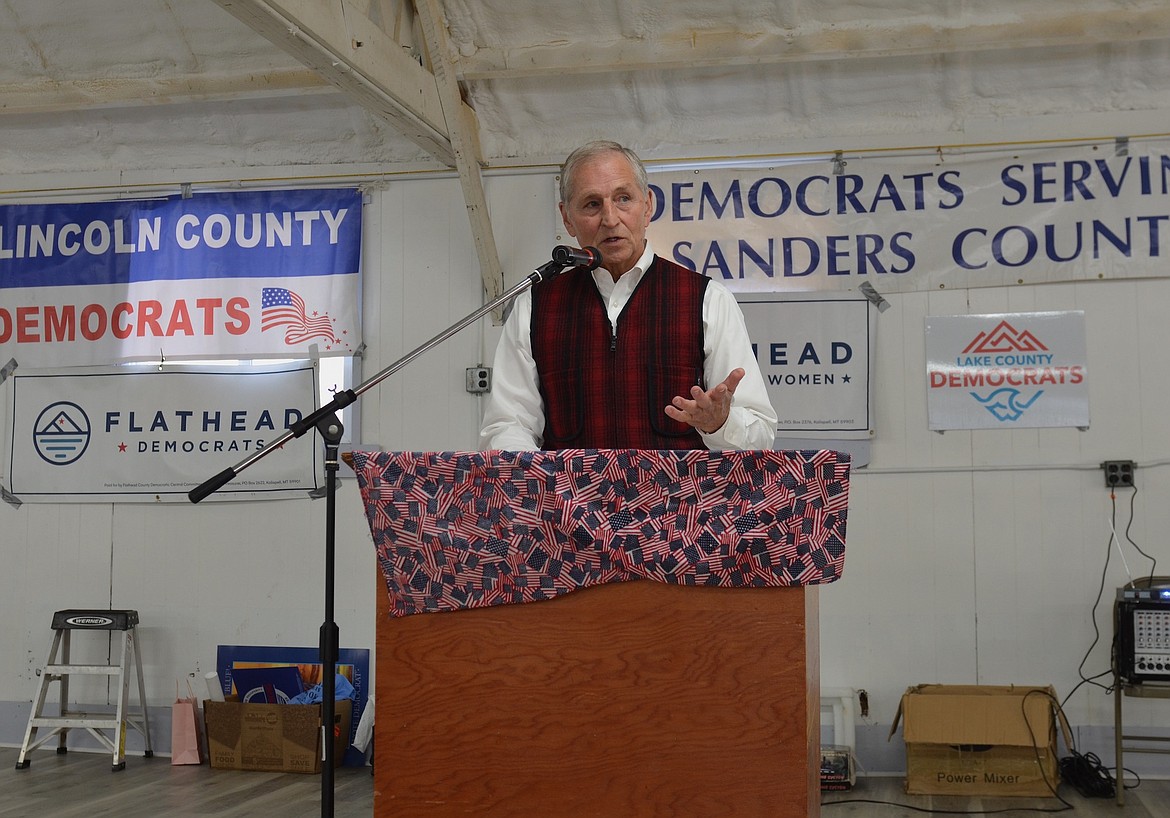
point(116, 723)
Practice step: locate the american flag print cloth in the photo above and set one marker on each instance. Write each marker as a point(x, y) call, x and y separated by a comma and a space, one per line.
point(457, 530)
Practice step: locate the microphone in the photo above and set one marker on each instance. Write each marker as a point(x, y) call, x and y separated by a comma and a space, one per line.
point(587, 257)
point(562, 257)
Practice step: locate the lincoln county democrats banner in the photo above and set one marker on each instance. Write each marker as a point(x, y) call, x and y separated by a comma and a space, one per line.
point(216, 275)
point(922, 222)
point(106, 434)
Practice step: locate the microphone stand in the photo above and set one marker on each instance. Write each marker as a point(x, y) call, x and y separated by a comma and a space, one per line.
point(327, 424)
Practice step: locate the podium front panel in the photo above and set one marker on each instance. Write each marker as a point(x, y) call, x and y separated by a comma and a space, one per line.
point(630, 699)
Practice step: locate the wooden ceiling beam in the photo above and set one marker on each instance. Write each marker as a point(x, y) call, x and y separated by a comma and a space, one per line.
point(340, 42)
point(694, 49)
point(56, 96)
point(463, 131)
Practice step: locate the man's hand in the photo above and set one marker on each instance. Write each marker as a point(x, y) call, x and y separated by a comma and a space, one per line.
point(706, 411)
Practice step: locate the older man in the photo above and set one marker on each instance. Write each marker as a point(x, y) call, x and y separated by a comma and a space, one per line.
point(640, 353)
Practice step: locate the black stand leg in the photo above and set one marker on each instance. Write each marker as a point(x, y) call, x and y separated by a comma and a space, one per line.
point(325, 421)
point(330, 429)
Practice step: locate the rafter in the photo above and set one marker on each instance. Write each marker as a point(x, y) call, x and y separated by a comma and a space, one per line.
point(340, 42)
point(55, 96)
point(694, 49)
point(463, 131)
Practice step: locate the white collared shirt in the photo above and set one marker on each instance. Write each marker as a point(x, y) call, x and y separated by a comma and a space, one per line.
point(513, 418)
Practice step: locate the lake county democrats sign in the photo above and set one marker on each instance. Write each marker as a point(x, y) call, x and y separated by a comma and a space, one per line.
point(1007, 371)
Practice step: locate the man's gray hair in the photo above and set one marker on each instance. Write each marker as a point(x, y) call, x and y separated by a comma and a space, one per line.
point(592, 150)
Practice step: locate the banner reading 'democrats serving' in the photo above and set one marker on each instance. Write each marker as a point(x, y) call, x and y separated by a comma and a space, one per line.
point(217, 275)
point(917, 222)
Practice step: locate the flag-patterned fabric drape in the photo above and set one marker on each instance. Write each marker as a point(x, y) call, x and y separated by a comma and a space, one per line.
point(460, 530)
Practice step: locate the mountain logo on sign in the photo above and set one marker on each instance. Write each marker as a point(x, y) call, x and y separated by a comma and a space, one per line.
point(1005, 338)
point(61, 433)
point(1006, 403)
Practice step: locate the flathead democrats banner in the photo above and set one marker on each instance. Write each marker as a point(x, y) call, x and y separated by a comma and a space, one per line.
point(138, 434)
point(239, 275)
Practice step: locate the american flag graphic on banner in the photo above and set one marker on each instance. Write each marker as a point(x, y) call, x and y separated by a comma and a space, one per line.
point(282, 307)
point(471, 529)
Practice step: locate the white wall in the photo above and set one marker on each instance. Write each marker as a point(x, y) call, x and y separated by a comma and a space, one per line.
point(973, 557)
point(976, 557)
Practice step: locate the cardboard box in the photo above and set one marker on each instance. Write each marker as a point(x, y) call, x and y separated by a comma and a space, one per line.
point(980, 740)
point(271, 737)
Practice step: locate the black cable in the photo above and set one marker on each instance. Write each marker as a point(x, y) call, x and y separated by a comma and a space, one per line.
point(1100, 593)
point(1036, 744)
point(1153, 560)
point(1084, 772)
point(1087, 775)
point(1090, 680)
point(1137, 779)
point(929, 811)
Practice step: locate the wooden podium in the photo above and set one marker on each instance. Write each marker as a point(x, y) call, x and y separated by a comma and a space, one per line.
point(601, 633)
point(628, 699)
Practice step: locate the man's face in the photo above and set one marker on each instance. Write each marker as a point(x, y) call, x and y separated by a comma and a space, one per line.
point(607, 210)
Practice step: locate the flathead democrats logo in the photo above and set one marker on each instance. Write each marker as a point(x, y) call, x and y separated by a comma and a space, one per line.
point(61, 433)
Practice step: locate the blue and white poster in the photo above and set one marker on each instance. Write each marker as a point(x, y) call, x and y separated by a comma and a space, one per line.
point(137, 434)
point(816, 355)
point(217, 275)
point(933, 220)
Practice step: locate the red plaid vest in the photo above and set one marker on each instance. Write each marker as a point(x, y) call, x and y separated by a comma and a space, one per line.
point(607, 387)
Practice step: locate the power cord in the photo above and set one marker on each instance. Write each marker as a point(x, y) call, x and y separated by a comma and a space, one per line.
point(1087, 775)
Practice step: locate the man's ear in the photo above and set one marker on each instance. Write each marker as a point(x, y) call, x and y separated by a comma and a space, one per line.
point(565, 219)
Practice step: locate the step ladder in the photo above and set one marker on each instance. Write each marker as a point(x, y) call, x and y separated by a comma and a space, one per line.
point(64, 624)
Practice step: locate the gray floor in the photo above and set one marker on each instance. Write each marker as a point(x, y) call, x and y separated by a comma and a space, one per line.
point(884, 798)
point(81, 785)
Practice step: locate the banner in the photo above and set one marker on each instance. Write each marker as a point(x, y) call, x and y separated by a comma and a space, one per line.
point(925, 222)
point(110, 434)
point(1022, 370)
point(216, 275)
point(815, 353)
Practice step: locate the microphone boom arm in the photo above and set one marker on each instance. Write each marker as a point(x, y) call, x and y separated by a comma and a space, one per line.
point(326, 422)
point(562, 258)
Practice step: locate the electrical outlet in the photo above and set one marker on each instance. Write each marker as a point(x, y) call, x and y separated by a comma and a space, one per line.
point(1118, 473)
point(479, 379)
